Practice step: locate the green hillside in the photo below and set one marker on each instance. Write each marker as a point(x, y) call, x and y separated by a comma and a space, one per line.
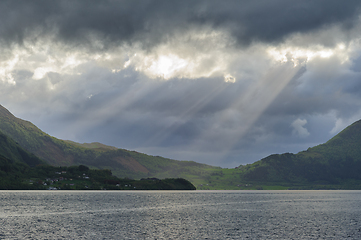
point(11, 150)
point(335, 164)
point(20, 169)
point(346, 144)
point(19, 176)
point(123, 163)
point(14, 163)
point(11, 174)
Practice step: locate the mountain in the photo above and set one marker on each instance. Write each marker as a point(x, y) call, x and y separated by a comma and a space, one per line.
point(20, 169)
point(346, 144)
point(123, 163)
point(332, 162)
point(335, 164)
point(11, 152)
point(14, 163)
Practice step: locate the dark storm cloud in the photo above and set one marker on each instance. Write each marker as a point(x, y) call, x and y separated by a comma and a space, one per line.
point(150, 22)
point(271, 21)
point(64, 82)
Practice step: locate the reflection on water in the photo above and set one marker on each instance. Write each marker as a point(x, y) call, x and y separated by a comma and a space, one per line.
point(180, 214)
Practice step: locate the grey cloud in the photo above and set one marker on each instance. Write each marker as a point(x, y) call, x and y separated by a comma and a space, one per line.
point(182, 118)
point(322, 86)
point(103, 24)
point(167, 117)
point(271, 21)
point(356, 64)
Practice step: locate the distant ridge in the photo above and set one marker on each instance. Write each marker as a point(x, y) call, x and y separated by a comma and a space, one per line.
point(5, 113)
point(93, 145)
point(345, 144)
point(123, 163)
point(335, 164)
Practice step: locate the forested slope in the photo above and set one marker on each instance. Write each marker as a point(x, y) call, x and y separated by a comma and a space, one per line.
point(123, 163)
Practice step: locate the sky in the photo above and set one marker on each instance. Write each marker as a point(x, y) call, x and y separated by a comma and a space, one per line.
point(218, 82)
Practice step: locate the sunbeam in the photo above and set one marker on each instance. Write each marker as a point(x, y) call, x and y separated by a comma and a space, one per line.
point(193, 79)
point(186, 115)
point(250, 106)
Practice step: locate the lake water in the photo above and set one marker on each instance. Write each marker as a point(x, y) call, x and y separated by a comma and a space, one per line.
point(180, 215)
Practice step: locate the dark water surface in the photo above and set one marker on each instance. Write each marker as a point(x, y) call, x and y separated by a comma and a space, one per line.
point(180, 215)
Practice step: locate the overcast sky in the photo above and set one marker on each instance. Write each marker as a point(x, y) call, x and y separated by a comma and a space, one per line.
point(217, 82)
